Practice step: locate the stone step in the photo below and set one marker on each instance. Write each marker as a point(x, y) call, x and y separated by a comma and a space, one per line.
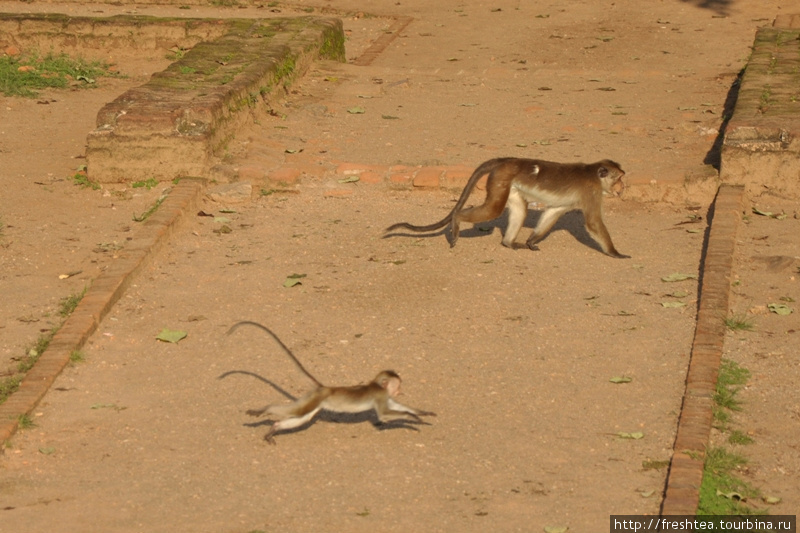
point(174, 124)
point(179, 120)
point(761, 149)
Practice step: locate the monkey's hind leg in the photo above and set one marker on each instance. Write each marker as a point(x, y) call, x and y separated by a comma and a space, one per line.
point(288, 410)
point(257, 412)
point(491, 208)
point(289, 423)
point(517, 211)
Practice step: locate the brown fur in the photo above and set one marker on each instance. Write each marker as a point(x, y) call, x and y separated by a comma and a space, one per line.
point(376, 395)
point(514, 182)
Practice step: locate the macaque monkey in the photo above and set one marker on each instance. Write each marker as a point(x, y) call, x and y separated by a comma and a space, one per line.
point(514, 182)
point(378, 395)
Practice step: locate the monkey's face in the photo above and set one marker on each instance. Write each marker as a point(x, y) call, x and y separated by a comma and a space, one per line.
point(390, 381)
point(393, 387)
point(618, 187)
point(610, 174)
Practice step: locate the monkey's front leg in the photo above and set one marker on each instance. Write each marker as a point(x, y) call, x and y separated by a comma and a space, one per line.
point(598, 231)
point(547, 220)
point(394, 409)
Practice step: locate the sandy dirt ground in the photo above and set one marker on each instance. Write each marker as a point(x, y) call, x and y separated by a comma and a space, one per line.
point(514, 350)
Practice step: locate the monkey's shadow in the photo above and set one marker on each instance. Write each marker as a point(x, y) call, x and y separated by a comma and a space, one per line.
point(327, 416)
point(572, 222)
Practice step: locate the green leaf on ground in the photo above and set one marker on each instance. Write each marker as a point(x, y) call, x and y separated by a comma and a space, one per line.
point(678, 277)
point(780, 309)
point(173, 336)
point(635, 435)
point(293, 280)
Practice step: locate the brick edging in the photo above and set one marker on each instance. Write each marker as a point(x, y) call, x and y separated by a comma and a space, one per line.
point(294, 170)
point(380, 44)
point(694, 425)
point(97, 302)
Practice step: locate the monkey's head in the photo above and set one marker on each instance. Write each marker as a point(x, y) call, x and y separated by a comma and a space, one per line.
point(610, 174)
point(389, 380)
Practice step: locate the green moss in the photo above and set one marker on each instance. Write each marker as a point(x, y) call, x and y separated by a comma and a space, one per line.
point(265, 31)
point(333, 45)
point(10, 384)
point(740, 437)
point(286, 68)
point(730, 380)
point(721, 492)
point(26, 75)
point(655, 465)
point(70, 303)
point(25, 421)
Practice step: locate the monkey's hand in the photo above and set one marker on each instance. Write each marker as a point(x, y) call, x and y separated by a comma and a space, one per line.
point(256, 412)
point(269, 436)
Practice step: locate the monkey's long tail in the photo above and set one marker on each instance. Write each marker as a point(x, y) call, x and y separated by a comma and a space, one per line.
point(430, 227)
point(484, 168)
point(280, 342)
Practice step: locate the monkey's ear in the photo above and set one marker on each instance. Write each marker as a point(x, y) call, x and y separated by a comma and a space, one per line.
point(602, 172)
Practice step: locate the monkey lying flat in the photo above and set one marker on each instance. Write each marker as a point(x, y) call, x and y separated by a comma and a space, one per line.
point(514, 182)
point(378, 395)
